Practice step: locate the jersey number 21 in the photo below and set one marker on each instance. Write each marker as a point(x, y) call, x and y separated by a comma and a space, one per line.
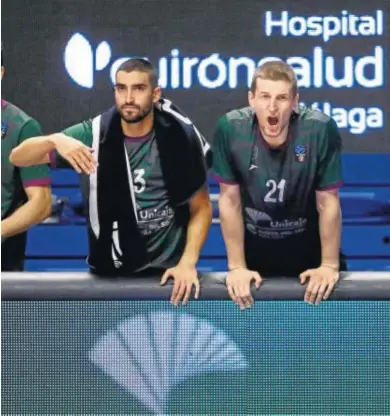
point(276, 193)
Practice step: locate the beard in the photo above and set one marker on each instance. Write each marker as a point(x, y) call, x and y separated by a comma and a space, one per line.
point(132, 119)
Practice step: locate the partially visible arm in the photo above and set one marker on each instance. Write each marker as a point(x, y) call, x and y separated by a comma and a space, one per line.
point(184, 272)
point(328, 206)
point(63, 150)
point(35, 151)
point(232, 224)
point(198, 227)
point(330, 179)
point(36, 183)
point(229, 202)
point(34, 211)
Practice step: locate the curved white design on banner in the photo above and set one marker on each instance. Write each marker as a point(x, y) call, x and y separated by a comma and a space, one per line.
point(150, 354)
point(78, 60)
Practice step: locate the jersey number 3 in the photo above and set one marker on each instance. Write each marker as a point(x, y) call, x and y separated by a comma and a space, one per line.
point(139, 180)
point(276, 193)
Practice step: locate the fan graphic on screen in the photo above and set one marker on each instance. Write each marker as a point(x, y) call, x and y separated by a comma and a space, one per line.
point(150, 354)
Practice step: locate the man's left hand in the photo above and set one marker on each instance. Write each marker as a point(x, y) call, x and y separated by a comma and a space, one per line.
point(321, 283)
point(184, 278)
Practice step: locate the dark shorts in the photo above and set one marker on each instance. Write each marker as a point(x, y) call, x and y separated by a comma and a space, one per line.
point(286, 265)
point(13, 253)
point(149, 272)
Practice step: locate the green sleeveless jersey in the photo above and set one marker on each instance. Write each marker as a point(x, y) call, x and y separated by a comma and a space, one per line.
point(164, 234)
point(17, 126)
point(278, 185)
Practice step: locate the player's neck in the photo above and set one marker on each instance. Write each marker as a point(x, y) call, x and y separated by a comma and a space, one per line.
point(139, 129)
point(276, 141)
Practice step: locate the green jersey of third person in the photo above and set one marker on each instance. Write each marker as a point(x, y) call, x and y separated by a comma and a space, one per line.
point(17, 126)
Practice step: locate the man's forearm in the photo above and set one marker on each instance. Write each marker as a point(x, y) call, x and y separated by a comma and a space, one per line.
point(33, 151)
point(197, 231)
point(330, 234)
point(31, 213)
point(232, 226)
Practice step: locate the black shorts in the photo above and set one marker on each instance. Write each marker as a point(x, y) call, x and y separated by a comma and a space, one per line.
point(285, 265)
point(13, 253)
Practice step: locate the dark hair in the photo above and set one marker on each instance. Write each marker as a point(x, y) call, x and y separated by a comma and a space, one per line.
point(275, 71)
point(140, 65)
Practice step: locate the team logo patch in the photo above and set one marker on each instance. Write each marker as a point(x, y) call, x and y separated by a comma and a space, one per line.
point(300, 152)
point(4, 128)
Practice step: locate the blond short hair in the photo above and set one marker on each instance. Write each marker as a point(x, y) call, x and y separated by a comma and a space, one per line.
point(275, 71)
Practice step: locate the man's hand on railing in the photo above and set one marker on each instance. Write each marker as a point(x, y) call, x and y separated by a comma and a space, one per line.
point(321, 283)
point(184, 278)
point(238, 282)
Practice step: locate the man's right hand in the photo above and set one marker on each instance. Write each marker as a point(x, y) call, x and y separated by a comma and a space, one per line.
point(238, 282)
point(79, 156)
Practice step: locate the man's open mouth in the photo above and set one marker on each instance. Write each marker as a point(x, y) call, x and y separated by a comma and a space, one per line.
point(273, 120)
